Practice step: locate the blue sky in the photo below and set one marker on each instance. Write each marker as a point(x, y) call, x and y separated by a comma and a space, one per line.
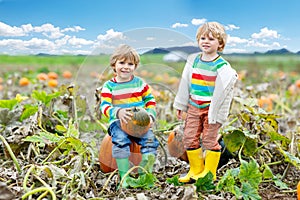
point(98, 26)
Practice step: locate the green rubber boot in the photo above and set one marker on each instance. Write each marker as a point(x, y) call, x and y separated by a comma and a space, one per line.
point(123, 167)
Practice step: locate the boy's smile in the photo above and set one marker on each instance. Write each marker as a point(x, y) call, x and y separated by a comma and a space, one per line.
point(124, 70)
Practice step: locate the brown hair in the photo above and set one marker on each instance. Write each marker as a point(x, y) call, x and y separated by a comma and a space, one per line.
point(124, 53)
point(216, 29)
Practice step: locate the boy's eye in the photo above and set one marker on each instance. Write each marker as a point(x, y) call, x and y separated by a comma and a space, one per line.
point(130, 64)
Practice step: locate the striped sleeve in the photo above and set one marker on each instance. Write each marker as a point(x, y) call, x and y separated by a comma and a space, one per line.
point(149, 100)
point(106, 105)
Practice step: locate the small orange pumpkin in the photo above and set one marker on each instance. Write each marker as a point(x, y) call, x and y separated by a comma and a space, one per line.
point(297, 83)
point(139, 123)
point(265, 103)
point(52, 83)
point(52, 75)
point(175, 144)
point(67, 74)
point(108, 163)
point(24, 81)
point(42, 76)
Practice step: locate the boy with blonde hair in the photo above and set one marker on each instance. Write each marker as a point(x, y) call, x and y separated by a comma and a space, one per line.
point(118, 95)
point(205, 93)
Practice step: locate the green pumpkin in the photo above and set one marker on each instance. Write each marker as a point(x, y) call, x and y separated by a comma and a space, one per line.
point(139, 123)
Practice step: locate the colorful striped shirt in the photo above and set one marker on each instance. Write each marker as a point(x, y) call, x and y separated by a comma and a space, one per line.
point(202, 85)
point(134, 93)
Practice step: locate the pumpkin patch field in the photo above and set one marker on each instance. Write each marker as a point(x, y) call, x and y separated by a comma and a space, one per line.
point(54, 142)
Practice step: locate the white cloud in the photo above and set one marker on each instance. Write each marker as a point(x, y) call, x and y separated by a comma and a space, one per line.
point(62, 41)
point(265, 33)
point(49, 31)
point(73, 29)
point(232, 40)
point(6, 30)
point(21, 46)
point(231, 27)
point(74, 41)
point(27, 28)
point(198, 22)
point(263, 45)
point(111, 34)
point(36, 43)
point(179, 25)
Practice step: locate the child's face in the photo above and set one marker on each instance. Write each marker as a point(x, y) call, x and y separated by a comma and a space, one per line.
point(209, 44)
point(124, 70)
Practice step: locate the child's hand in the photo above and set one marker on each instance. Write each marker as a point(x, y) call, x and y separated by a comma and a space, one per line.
point(124, 114)
point(179, 114)
point(151, 121)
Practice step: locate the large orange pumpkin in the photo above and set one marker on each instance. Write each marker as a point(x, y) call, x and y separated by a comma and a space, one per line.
point(175, 144)
point(108, 163)
point(139, 123)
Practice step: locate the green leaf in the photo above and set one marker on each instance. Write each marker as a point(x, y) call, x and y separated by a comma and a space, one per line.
point(174, 180)
point(28, 111)
point(78, 145)
point(206, 183)
point(279, 183)
point(43, 97)
point(228, 180)
point(249, 192)
point(145, 181)
point(250, 173)
point(60, 129)
point(43, 138)
point(72, 130)
point(234, 140)
point(267, 173)
point(274, 135)
point(250, 147)
point(291, 158)
point(10, 104)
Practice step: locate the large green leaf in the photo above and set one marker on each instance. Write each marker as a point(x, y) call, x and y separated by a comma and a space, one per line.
point(228, 180)
point(28, 111)
point(44, 97)
point(145, 181)
point(10, 104)
point(291, 158)
point(43, 138)
point(250, 147)
point(174, 180)
point(249, 192)
point(234, 140)
point(205, 183)
point(250, 173)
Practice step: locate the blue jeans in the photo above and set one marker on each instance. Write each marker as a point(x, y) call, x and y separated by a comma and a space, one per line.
point(121, 141)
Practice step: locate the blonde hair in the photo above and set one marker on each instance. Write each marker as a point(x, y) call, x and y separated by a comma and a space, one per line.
point(124, 53)
point(216, 29)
